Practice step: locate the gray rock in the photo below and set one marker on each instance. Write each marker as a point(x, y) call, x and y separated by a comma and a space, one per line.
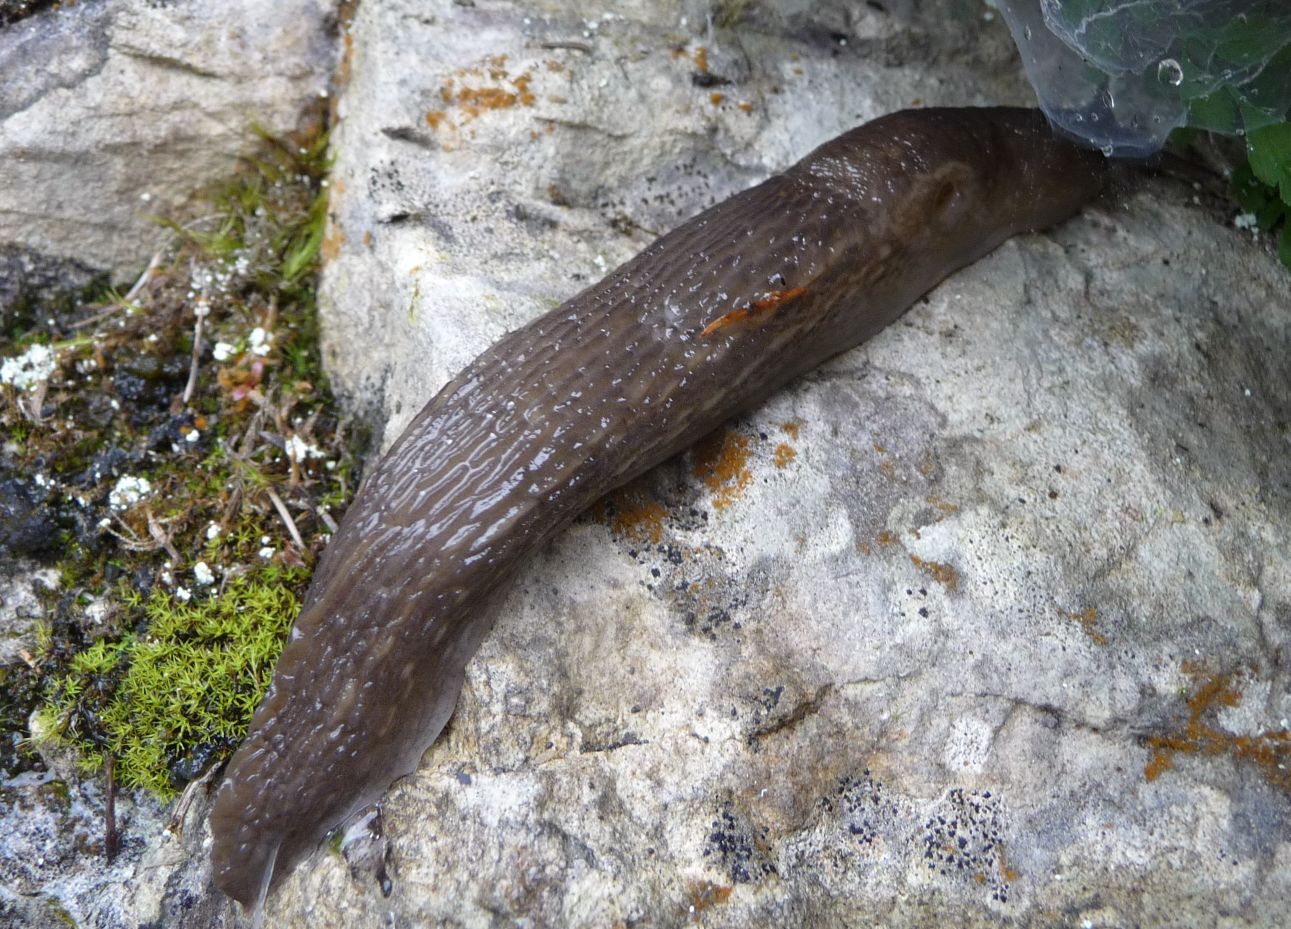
point(114, 113)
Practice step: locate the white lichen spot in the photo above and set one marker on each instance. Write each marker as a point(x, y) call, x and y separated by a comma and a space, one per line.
point(32, 367)
point(192, 435)
point(212, 532)
point(260, 340)
point(183, 594)
point(203, 574)
point(299, 450)
point(267, 552)
point(1246, 221)
point(128, 491)
point(223, 351)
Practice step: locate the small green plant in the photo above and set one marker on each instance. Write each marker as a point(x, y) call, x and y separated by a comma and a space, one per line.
point(1262, 186)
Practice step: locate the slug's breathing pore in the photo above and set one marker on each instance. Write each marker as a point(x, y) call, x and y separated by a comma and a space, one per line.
point(705, 323)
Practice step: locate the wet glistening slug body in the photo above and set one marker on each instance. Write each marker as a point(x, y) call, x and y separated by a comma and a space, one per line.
point(705, 323)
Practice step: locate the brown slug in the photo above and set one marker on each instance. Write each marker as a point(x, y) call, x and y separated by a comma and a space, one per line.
point(704, 323)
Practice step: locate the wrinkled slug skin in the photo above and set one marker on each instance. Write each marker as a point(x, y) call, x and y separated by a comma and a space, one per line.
point(704, 323)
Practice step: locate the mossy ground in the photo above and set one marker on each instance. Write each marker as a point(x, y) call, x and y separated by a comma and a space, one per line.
point(182, 465)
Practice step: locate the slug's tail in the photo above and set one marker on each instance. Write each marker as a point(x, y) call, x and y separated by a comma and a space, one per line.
point(245, 870)
point(257, 913)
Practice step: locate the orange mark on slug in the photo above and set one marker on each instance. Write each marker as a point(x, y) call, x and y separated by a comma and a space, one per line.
point(722, 463)
point(765, 305)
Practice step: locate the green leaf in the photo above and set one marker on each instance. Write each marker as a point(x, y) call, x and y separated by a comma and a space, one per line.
point(1269, 150)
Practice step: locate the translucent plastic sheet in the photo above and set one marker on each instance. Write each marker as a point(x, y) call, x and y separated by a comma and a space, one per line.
point(1121, 74)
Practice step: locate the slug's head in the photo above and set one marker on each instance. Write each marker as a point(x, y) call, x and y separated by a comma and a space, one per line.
point(956, 182)
point(998, 168)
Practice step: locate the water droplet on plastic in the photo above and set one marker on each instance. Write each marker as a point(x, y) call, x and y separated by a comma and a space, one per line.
point(1170, 72)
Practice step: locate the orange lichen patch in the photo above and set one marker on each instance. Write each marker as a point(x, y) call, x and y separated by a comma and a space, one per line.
point(1160, 762)
point(943, 574)
point(722, 463)
point(886, 538)
point(555, 67)
point(784, 454)
point(637, 519)
point(703, 895)
point(1270, 750)
point(1088, 619)
point(792, 428)
point(764, 305)
point(469, 92)
point(716, 99)
point(1007, 873)
point(333, 240)
point(945, 507)
point(744, 106)
point(367, 237)
point(700, 57)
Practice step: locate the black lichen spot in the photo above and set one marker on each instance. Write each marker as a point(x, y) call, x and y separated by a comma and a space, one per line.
point(862, 808)
point(962, 841)
point(741, 849)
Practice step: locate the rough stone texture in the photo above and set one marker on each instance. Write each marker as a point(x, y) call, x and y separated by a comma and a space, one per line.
point(903, 660)
point(113, 113)
point(907, 664)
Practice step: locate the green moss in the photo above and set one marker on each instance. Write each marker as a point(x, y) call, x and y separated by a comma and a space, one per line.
point(190, 683)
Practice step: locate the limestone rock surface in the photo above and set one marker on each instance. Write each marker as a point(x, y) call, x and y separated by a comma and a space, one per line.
point(113, 113)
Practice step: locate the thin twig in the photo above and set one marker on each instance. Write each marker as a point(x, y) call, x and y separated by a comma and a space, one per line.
point(286, 518)
point(570, 44)
point(326, 517)
point(202, 310)
point(175, 823)
point(163, 539)
point(111, 838)
point(144, 278)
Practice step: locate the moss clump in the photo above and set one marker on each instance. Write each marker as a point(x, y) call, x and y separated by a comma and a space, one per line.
point(168, 701)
